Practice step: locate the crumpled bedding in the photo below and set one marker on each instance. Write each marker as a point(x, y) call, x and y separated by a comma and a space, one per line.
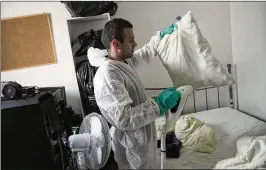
point(195, 134)
point(251, 154)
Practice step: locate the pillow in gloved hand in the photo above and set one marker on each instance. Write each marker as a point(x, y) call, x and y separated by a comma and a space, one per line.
point(167, 30)
point(188, 58)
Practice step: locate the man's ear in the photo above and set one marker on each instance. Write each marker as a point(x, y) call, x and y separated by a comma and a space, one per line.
point(116, 44)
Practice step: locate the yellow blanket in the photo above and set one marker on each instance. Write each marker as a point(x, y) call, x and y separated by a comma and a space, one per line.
point(194, 134)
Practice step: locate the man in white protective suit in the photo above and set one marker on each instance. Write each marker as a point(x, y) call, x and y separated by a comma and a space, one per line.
point(121, 97)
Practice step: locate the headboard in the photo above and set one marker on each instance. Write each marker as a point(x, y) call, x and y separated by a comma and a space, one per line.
point(231, 95)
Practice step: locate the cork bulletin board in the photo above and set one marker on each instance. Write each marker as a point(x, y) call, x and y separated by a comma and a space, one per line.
point(26, 41)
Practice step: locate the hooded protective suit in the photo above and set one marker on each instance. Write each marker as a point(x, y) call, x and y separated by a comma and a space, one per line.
point(121, 98)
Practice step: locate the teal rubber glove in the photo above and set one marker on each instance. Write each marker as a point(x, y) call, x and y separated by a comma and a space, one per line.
point(167, 99)
point(167, 30)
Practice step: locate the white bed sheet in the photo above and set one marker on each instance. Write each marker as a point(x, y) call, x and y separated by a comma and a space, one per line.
point(229, 125)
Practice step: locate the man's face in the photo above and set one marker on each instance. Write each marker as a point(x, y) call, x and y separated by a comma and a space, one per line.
point(129, 44)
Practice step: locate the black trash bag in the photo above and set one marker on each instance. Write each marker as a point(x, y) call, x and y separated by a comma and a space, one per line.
point(85, 74)
point(86, 40)
point(90, 8)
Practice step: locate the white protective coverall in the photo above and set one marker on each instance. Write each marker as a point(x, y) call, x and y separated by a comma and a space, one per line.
point(121, 98)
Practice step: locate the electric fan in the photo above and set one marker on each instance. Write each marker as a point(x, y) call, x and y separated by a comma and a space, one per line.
point(171, 117)
point(93, 143)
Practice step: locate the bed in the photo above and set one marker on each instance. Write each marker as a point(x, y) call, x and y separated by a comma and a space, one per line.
point(228, 123)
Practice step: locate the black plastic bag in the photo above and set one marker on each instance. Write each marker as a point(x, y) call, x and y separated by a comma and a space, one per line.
point(86, 40)
point(90, 8)
point(85, 74)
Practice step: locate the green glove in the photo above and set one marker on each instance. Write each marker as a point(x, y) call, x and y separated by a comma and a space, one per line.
point(167, 99)
point(167, 30)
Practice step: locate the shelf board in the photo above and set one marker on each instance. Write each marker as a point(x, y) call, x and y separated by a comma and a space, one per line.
point(104, 16)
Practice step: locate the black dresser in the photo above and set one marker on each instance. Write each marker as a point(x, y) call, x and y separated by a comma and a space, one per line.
point(28, 141)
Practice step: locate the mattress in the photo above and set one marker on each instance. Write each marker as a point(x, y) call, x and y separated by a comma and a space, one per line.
point(229, 125)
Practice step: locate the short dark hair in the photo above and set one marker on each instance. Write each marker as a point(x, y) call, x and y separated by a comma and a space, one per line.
point(114, 29)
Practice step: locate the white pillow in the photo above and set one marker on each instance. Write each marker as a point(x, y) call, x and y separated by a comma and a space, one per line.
point(188, 58)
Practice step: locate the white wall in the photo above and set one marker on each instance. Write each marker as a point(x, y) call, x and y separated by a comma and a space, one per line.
point(60, 74)
point(248, 21)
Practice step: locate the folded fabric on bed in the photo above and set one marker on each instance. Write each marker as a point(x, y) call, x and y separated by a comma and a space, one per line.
point(251, 154)
point(195, 134)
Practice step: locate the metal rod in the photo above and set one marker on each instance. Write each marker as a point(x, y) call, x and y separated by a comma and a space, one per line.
point(163, 88)
point(206, 99)
point(218, 91)
point(159, 88)
point(194, 101)
point(229, 66)
point(236, 102)
point(203, 88)
point(231, 96)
